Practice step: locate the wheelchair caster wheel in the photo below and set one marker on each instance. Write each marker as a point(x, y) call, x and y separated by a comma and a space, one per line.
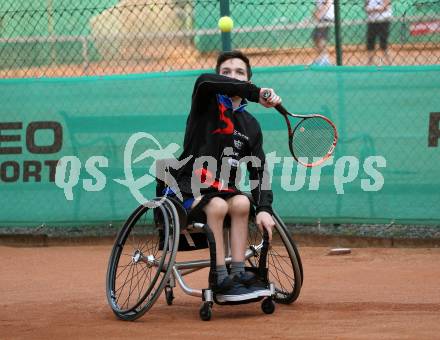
point(268, 306)
point(206, 311)
point(169, 296)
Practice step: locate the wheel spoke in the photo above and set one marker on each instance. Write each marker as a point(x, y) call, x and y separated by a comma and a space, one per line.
point(123, 284)
point(279, 264)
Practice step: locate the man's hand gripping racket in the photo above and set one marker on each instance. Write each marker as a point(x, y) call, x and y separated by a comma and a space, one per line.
point(312, 140)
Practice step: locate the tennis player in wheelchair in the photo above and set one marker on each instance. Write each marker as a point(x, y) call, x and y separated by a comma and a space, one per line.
point(220, 133)
point(197, 198)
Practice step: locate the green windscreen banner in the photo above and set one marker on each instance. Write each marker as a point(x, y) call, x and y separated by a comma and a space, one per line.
point(82, 151)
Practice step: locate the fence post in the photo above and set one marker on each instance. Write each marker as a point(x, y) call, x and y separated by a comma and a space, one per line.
point(226, 36)
point(338, 39)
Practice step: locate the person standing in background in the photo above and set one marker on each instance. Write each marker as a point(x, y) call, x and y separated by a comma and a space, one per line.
point(379, 13)
point(324, 15)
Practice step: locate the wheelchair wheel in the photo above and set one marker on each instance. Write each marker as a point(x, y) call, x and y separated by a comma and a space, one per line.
point(169, 295)
point(292, 242)
point(268, 306)
point(205, 311)
point(142, 259)
point(283, 261)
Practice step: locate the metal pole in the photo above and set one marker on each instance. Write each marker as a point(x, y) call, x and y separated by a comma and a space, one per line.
point(226, 36)
point(338, 39)
point(51, 31)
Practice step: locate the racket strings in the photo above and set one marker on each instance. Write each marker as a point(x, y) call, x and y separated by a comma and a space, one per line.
point(313, 139)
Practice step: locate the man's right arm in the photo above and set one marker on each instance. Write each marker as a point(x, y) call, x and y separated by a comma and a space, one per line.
point(209, 84)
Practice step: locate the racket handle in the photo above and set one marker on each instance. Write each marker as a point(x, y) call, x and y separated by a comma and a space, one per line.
point(280, 108)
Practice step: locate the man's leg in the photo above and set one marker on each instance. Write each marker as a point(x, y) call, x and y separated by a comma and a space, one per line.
point(321, 48)
point(229, 290)
point(215, 211)
point(370, 43)
point(383, 36)
point(238, 209)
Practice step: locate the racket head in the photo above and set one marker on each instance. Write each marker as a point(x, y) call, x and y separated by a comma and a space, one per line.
point(313, 140)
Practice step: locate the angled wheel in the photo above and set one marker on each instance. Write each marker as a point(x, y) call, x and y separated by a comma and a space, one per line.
point(169, 295)
point(283, 261)
point(142, 259)
point(268, 306)
point(205, 311)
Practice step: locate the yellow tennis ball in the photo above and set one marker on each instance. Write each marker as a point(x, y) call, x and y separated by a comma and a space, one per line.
point(225, 24)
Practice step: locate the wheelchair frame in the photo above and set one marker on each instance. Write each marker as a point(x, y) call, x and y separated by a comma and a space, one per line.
point(173, 215)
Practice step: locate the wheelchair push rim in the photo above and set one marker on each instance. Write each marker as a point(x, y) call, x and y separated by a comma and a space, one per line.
point(284, 266)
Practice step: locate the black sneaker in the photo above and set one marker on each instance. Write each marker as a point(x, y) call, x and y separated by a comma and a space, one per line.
point(259, 288)
point(230, 290)
point(226, 284)
point(253, 283)
point(246, 278)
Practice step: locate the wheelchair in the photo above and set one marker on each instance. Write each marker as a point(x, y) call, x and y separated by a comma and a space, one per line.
point(143, 265)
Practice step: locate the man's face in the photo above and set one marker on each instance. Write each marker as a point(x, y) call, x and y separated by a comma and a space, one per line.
point(234, 68)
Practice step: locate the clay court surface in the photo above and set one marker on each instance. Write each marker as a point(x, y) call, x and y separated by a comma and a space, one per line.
point(374, 293)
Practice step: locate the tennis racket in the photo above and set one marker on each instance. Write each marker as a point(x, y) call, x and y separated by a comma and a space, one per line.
point(312, 140)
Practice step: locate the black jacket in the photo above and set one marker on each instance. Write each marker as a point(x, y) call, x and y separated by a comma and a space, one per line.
point(214, 129)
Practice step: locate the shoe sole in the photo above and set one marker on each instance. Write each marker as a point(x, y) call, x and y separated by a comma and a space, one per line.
point(242, 297)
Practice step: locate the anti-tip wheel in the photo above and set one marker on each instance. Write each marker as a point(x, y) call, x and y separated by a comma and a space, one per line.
point(205, 311)
point(268, 306)
point(169, 296)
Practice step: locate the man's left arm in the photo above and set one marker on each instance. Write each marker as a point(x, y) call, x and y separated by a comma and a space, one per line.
point(261, 191)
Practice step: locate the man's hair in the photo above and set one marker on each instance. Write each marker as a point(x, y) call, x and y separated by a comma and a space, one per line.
point(231, 55)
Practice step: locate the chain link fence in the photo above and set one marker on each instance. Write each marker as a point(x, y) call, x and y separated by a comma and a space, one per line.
point(383, 114)
point(51, 38)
